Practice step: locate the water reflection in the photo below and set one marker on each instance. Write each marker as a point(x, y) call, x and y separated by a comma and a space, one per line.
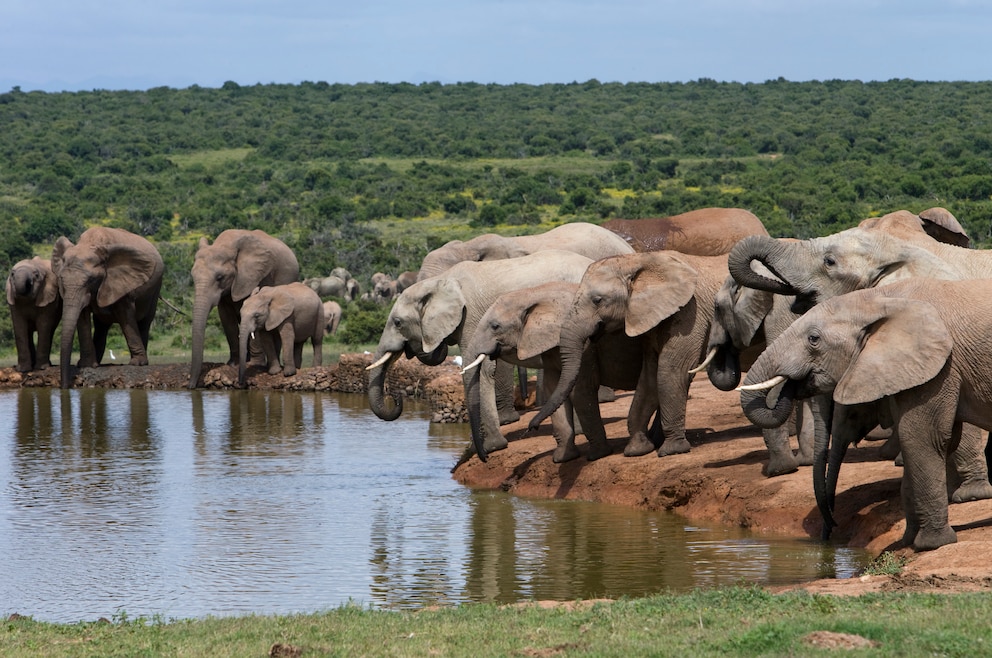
point(195, 503)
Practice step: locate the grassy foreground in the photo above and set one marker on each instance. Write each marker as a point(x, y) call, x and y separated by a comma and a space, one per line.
point(739, 621)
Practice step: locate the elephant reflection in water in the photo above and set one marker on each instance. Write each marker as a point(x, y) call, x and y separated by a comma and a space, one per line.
point(35, 423)
point(259, 417)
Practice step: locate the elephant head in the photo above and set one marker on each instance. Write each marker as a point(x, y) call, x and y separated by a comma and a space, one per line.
point(32, 280)
point(633, 293)
point(107, 267)
point(225, 273)
point(424, 320)
point(261, 311)
point(520, 325)
point(860, 348)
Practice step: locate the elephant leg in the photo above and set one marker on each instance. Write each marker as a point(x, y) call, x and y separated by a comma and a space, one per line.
point(26, 354)
point(585, 402)
point(561, 423)
point(504, 393)
point(804, 433)
point(87, 351)
point(230, 319)
point(969, 470)
point(132, 335)
point(671, 408)
point(780, 457)
point(287, 335)
point(492, 438)
point(924, 431)
point(46, 337)
point(641, 408)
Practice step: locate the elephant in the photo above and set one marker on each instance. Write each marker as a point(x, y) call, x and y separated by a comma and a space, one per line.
point(224, 274)
point(384, 291)
point(744, 321)
point(583, 238)
point(290, 314)
point(332, 317)
point(916, 348)
point(111, 276)
point(704, 232)
point(405, 280)
point(330, 286)
point(444, 310)
point(522, 327)
point(667, 298)
point(35, 308)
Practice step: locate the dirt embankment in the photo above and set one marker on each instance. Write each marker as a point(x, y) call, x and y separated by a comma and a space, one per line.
point(719, 481)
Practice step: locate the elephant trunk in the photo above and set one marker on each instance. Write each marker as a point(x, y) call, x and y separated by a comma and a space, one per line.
point(436, 357)
point(201, 309)
point(755, 402)
point(770, 253)
point(822, 422)
point(572, 345)
point(243, 336)
point(70, 318)
point(377, 388)
point(473, 401)
point(724, 371)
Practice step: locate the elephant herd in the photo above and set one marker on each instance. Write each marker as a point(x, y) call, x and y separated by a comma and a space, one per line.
point(112, 276)
point(883, 324)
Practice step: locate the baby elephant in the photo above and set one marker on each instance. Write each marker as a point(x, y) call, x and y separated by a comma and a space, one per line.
point(290, 314)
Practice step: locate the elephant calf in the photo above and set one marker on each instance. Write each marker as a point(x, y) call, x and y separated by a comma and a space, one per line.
point(291, 314)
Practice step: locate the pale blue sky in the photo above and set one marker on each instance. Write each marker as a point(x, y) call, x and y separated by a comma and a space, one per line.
point(56, 45)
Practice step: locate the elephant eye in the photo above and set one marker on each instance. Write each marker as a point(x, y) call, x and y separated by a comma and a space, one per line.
point(829, 261)
point(813, 339)
point(397, 322)
point(494, 325)
point(597, 300)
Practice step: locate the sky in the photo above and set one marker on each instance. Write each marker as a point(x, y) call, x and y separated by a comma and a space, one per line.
point(81, 45)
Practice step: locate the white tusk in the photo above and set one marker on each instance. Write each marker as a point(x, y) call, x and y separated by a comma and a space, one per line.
point(385, 357)
point(702, 366)
point(479, 359)
point(765, 385)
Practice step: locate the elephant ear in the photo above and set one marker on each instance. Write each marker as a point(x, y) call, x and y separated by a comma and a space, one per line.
point(50, 291)
point(741, 310)
point(942, 226)
point(253, 263)
point(659, 287)
point(541, 328)
point(442, 310)
point(905, 344)
point(128, 268)
point(280, 308)
point(10, 291)
point(58, 253)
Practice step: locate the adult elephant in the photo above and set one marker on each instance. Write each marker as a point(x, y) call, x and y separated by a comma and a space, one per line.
point(224, 274)
point(704, 232)
point(329, 286)
point(666, 298)
point(445, 310)
point(919, 348)
point(582, 238)
point(289, 314)
point(111, 276)
point(522, 328)
point(35, 309)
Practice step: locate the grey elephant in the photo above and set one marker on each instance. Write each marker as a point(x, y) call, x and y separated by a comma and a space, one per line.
point(703, 232)
point(384, 290)
point(111, 276)
point(744, 321)
point(583, 238)
point(522, 327)
point(883, 250)
point(332, 317)
point(663, 296)
point(919, 347)
point(224, 274)
point(329, 286)
point(445, 310)
point(288, 314)
point(405, 280)
point(35, 309)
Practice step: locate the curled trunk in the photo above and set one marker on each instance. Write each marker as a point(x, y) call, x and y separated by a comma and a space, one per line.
point(755, 403)
point(377, 391)
point(724, 371)
point(770, 253)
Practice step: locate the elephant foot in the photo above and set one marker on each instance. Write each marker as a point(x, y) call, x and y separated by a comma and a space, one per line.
point(44, 366)
point(88, 363)
point(674, 447)
point(507, 416)
point(898, 460)
point(492, 445)
point(781, 464)
point(928, 540)
point(638, 445)
point(598, 452)
point(274, 369)
point(979, 489)
point(804, 458)
point(565, 453)
point(606, 394)
point(139, 361)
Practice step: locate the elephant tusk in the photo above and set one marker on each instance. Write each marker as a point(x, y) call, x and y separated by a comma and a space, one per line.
point(385, 357)
point(765, 385)
point(479, 359)
point(702, 366)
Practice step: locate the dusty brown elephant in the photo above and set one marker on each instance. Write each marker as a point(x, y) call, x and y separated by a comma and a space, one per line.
point(35, 308)
point(111, 276)
point(704, 232)
point(332, 317)
point(291, 312)
point(224, 274)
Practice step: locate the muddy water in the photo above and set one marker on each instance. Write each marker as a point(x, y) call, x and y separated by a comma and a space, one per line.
point(184, 504)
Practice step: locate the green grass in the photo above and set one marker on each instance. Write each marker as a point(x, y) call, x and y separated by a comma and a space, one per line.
point(738, 621)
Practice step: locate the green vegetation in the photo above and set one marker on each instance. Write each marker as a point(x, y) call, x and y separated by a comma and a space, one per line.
point(734, 621)
point(372, 176)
